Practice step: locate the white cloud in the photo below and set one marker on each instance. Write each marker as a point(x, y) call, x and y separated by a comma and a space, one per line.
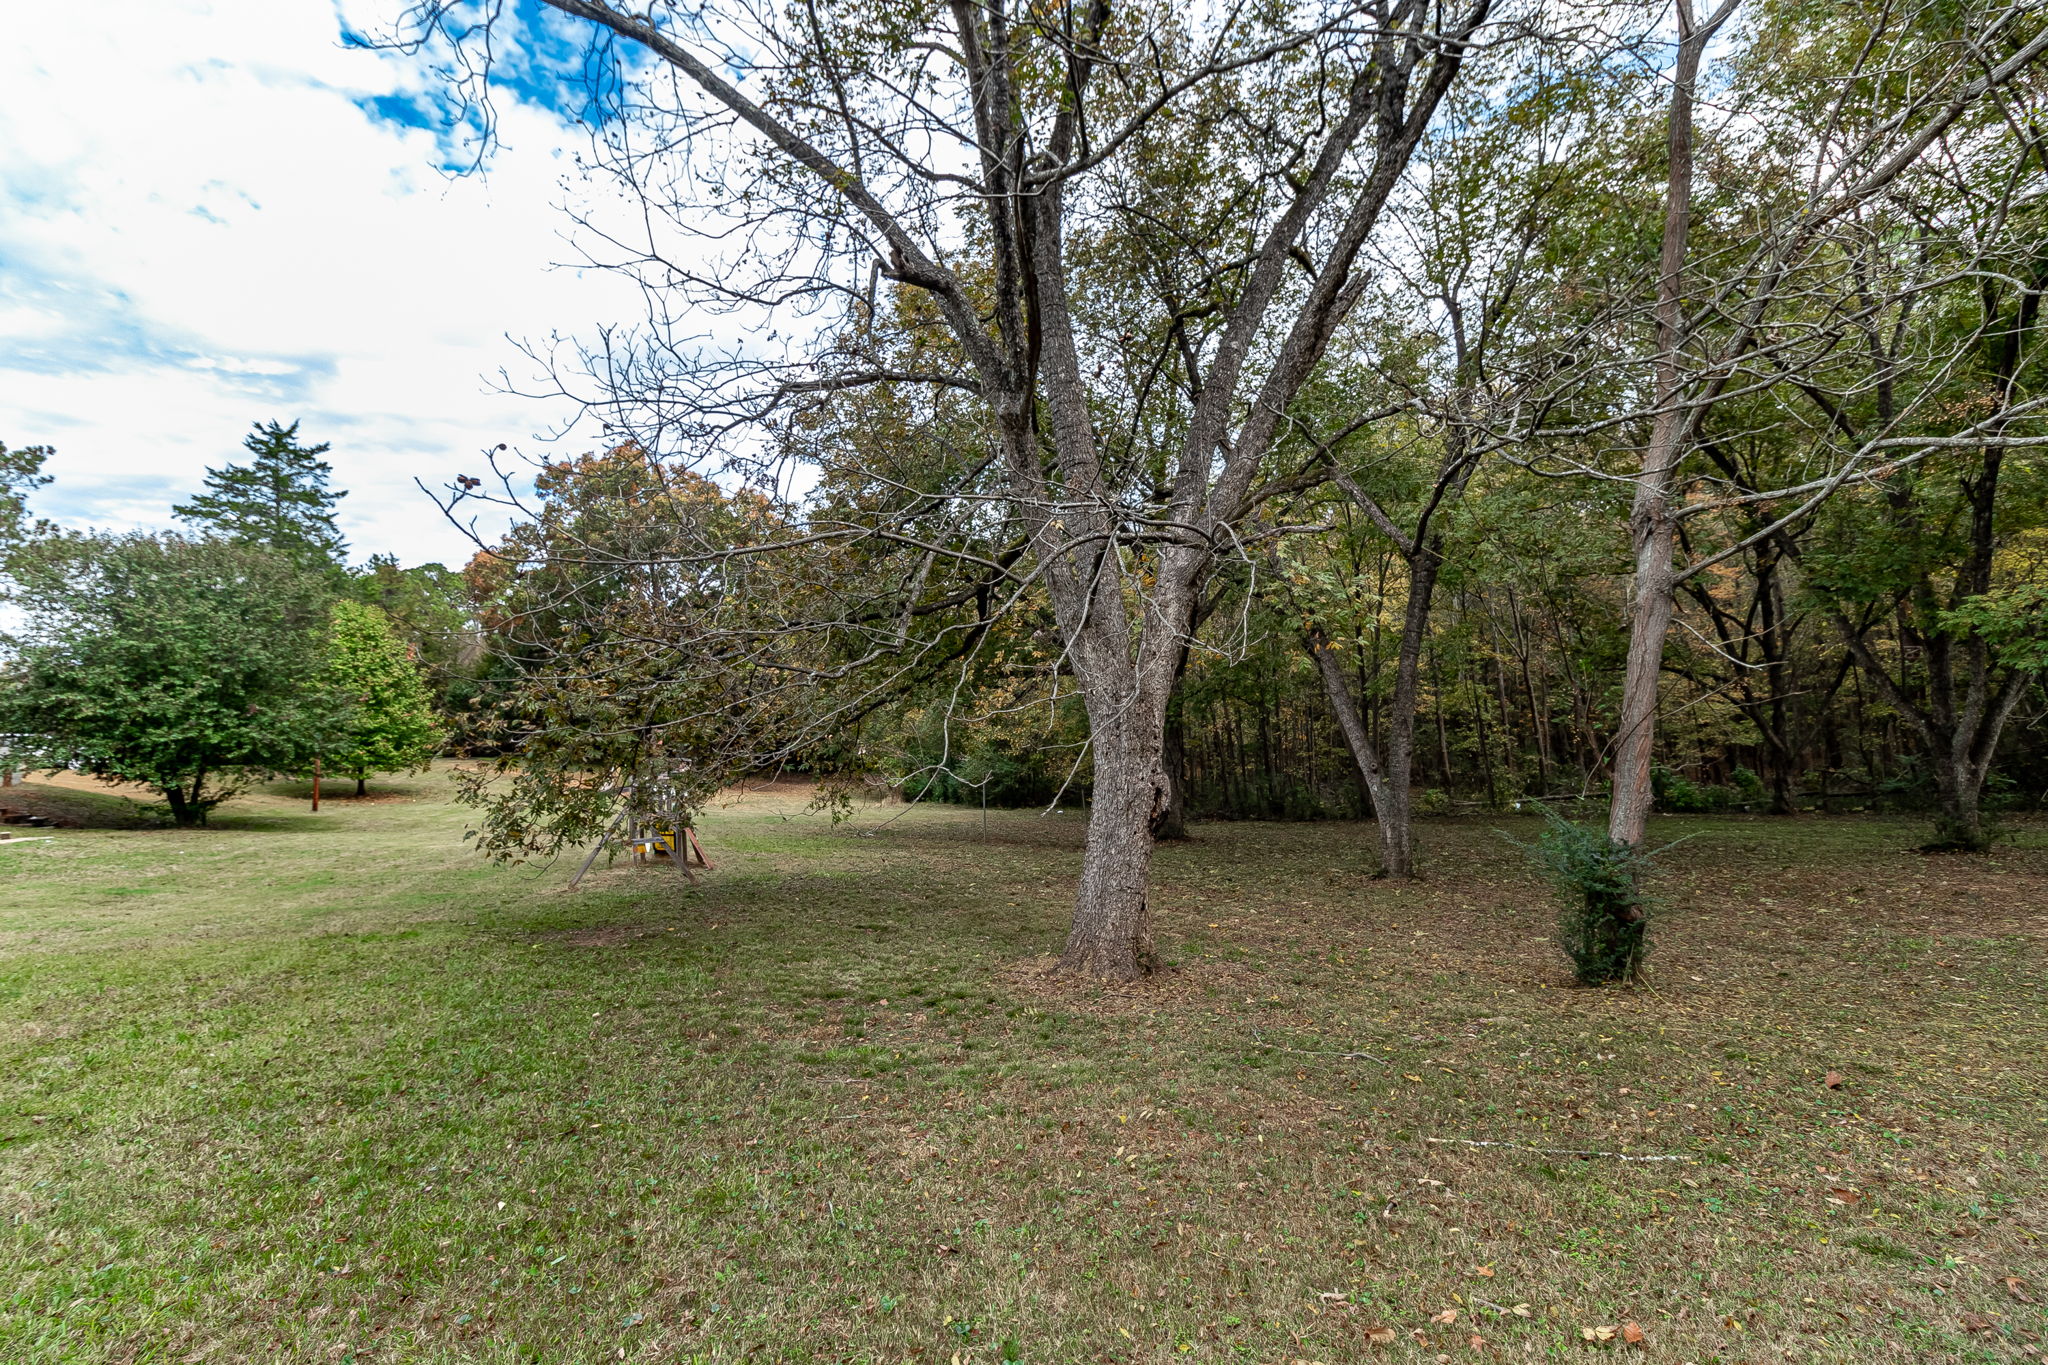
point(201, 228)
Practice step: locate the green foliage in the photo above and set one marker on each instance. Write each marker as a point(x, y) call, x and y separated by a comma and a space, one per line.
point(2013, 621)
point(1676, 794)
point(390, 724)
point(995, 775)
point(429, 609)
point(190, 666)
point(1604, 920)
point(280, 499)
point(614, 674)
point(21, 473)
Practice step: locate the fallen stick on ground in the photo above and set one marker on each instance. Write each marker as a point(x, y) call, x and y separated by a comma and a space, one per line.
point(1308, 1052)
point(1560, 1151)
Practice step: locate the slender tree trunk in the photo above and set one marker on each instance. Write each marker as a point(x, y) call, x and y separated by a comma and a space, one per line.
point(362, 786)
point(1397, 814)
point(1650, 523)
point(1389, 811)
point(1443, 731)
point(1172, 823)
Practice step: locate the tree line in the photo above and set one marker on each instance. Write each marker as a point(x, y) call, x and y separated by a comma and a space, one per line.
point(1339, 406)
point(1483, 399)
point(200, 662)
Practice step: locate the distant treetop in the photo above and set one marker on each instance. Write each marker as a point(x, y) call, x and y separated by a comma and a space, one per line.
point(279, 499)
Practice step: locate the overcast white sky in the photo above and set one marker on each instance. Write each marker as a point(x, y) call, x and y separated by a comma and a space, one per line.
point(204, 225)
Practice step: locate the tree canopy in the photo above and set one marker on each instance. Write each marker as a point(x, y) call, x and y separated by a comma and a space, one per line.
point(191, 666)
point(279, 499)
point(387, 713)
point(1334, 353)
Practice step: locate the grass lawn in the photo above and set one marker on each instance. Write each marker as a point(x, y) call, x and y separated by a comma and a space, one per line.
point(330, 1088)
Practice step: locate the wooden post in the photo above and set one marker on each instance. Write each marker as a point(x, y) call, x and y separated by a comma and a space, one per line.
point(316, 784)
point(596, 848)
point(702, 861)
point(679, 846)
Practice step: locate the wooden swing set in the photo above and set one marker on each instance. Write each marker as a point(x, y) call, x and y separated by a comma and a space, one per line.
point(653, 824)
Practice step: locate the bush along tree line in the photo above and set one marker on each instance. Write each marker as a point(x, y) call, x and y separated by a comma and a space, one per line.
point(1330, 409)
point(197, 663)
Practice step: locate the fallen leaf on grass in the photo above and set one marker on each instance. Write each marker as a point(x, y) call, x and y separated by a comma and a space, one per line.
point(1973, 1323)
point(1598, 1333)
point(1632, 1334)
point(2017, 1287)
point(1447, 1317)
point(1484, 1272)
point(1476, 1342)
point(1834, 1080)
point(1381, 1335)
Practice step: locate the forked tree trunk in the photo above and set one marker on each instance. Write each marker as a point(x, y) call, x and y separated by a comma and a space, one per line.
point(1392, 783)
point(187, 810)
point(183, 815)
point(1351, 724)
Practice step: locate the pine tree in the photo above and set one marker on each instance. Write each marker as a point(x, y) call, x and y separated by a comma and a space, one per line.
point(21, 473)
point(279, 499)
point(391, 726)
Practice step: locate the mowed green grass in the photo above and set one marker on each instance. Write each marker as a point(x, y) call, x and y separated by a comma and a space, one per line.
point(331, 1088)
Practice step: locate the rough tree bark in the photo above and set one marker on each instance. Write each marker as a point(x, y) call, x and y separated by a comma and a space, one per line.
point(1651, 526)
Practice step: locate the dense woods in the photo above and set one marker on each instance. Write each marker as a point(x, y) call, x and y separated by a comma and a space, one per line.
point(1379, 409)
point(1338, 409)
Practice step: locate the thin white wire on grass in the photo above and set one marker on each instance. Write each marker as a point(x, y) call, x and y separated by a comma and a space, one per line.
point(1307, 1052)
point(1560, 1151)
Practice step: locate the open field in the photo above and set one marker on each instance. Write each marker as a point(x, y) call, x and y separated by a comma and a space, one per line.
point(329, 1088)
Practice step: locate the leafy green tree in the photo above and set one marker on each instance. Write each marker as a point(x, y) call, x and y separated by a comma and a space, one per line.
point(279, 499)
point(21, 473)
point(429, 609)
point(191, 666)
point(390, 724)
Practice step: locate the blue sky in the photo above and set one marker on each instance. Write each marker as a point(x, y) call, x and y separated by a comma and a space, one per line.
point(215, 213)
